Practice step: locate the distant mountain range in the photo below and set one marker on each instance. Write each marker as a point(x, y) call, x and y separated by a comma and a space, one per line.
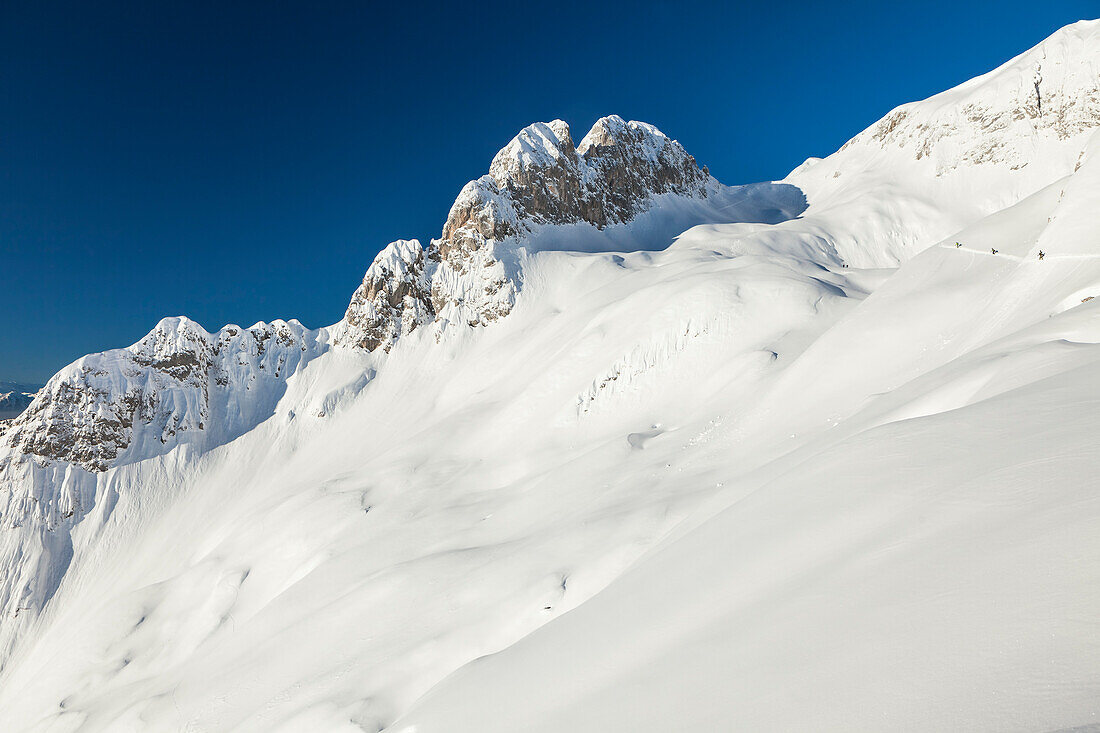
point(15, 397)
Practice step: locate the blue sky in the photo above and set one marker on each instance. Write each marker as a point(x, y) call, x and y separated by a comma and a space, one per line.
point(239, 162)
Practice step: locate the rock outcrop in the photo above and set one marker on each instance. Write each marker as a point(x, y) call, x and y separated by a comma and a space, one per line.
point(393, 300)
point(1041, 98)
point(159, 392)
point(539, 179)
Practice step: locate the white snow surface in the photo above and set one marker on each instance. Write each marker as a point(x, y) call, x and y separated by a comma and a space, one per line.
point(830, 472)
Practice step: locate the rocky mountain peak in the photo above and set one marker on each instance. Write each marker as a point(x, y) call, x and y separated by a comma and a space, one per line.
point(608, 179)
point(540, 178)
point(537, 146)
point(629, 163)
point(633, 137)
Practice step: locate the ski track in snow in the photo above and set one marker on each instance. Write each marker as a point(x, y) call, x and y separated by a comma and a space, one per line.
point(1018, 258)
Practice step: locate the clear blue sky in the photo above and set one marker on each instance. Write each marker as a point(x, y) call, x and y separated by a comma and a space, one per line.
point(236, 162)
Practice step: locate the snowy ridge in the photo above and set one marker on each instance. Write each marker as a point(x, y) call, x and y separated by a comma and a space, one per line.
point(929, 168)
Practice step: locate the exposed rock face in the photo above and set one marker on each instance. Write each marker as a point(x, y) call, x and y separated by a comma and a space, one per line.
point(634, 161)
point(540, 178)
point(393, 299)
point(158, 392)
point(608, 179)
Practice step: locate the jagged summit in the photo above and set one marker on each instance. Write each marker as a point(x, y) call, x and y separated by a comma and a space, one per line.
point(607, 179)
point(540, 178)
point(182, 384)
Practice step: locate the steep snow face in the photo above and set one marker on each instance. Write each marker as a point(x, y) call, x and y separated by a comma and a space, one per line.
point(539, 179)
point(340, 564)
point(929, 168)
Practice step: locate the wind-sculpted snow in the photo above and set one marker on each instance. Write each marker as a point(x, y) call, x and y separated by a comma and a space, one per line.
point(728, 463)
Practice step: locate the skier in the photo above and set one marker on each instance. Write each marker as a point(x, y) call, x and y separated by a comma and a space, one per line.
point(957, 245)
point(1042, 254)
point(993, 250)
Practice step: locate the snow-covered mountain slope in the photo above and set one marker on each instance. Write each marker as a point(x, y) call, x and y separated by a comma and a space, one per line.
point(181, 392)
point(929, 168)
point(925, 555)
point(747, 477)
point(179, 389)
